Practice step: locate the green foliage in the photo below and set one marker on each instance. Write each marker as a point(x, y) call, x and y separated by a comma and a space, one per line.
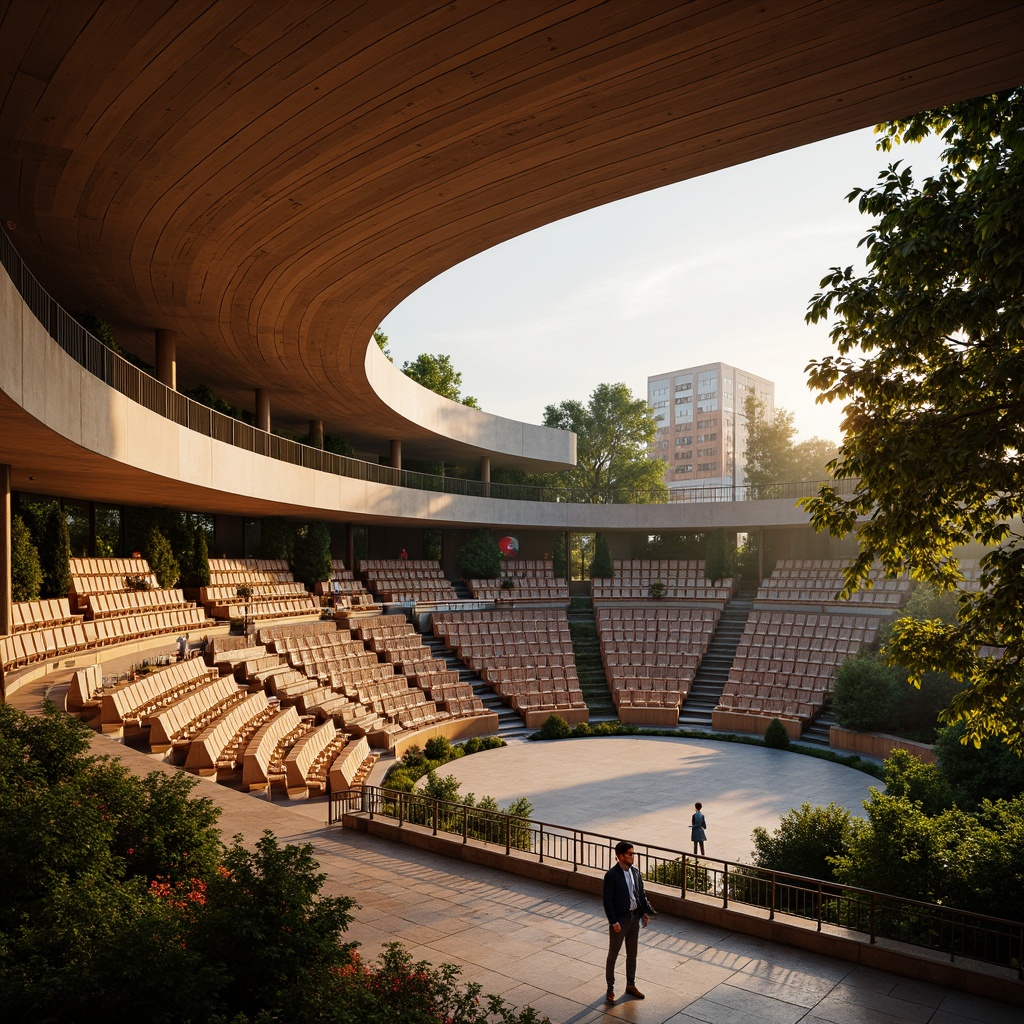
point(382, 343)
point(554, 728)
point(582, 729)
point(929, 345)
point(806, 841)
point(55, 554)
point(601, 567)
point(614, 432)
point(439, 748)
point(26, 570)
point(908, 777)
point(864, 694)
point(657, 590)
point(559, 561)
point(773, 456)
point(775, 735)
point(277, 538)
point(990, 772)
point(157, 551)
point(194, 558)
point(721, 555)
point(311, 554)
point(480, 557)
point(436, 373)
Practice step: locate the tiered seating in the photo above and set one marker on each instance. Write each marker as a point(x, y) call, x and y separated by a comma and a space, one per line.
point(106, 576)
point(275, 592)
point(524, 654)
point(32, 615)
point(352, 766)
point(403, 580)
point(534, 581)
point(220, 744)
point(786, 661)
point(343, 590)
point(132, 701)
point(650, 657)
point(309, 760)
point(796, 636)
point(32, 646)
point(264, 753)
point(818, 582)
point(683, 580)
point(176, 724)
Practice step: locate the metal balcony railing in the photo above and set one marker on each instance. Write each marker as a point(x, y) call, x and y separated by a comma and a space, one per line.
point(955, 933)
point(146, 390)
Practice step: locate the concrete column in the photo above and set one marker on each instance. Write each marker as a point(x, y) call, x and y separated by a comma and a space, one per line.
point(396, 454)
point(485, 475)
point(167, 358)
point(263, 409)
point(316, 433)
point(6, 594)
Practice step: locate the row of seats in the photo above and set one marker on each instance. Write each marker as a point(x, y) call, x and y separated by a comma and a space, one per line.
point(26, 615)
point(535, 671)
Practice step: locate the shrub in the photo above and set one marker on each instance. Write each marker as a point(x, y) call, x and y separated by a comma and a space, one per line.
point(26, 570)
point(582, 729)
point(480, 558)
point(311, 555)
point(721, 553)
point(601, 567)
point(55, 554)
point(555, 728)
point(559, 563)
point(991, 771)
point(805, 841)
point(158, 553)
point(439, 749)
point(473, 745)
point(864, 694)
point(656, 590)
point(776, 736)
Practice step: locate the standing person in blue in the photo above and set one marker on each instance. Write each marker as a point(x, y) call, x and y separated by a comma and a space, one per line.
point(625, 906)
point(698, 823)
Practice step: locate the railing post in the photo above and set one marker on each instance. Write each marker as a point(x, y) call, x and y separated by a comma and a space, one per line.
point(771, 912)
point(575, 850)
point(508, 834)
point(435, 817)
point(872, 918)
point(683, 892)
point(540, 843)
point(725, 884)
point(465, 823)
point(821, 900)
point(401, 808)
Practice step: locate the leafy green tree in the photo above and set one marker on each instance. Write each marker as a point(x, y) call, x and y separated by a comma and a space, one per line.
point(601, 567)
point(775, 735)
point(55, 554)
point(806, 841)
point(311, 555)
point(614, 432)
point(480, 557)
point(721, 555)
point(864, 694)
point(929, 345)
point(559, 561)
point(277, 538)
point(382, 343)
point(436, 373)
point(992, 771)
point(908, 777)
point(773, 456)
point(26, 570)
point(157, 551)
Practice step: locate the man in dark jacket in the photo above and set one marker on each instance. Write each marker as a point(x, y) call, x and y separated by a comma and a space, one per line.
point(625, 906)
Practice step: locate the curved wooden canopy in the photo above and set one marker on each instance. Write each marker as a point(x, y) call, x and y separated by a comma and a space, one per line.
point(270, 179)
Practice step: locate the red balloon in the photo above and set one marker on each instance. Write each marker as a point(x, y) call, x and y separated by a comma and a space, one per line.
point(508, 546)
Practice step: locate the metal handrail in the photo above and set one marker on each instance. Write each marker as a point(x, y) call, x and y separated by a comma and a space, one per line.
point(958, 933)
point(117, 372)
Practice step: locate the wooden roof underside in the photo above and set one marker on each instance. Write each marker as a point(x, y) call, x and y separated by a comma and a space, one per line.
point(270, 179)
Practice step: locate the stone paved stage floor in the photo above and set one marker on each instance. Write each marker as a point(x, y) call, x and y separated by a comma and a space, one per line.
point(536, 943)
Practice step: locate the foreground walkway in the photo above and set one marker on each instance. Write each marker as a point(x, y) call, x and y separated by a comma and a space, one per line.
point(539, 944)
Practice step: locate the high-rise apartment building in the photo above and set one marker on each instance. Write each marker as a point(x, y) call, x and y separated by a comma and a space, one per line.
point(702, 426)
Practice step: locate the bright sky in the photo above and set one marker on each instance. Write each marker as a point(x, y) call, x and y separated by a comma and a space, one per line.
point(718, 268)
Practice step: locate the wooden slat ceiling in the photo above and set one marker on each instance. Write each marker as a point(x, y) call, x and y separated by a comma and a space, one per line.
point(270, 179)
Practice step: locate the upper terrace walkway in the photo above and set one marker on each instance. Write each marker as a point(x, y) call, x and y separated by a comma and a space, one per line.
point(68, 349)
